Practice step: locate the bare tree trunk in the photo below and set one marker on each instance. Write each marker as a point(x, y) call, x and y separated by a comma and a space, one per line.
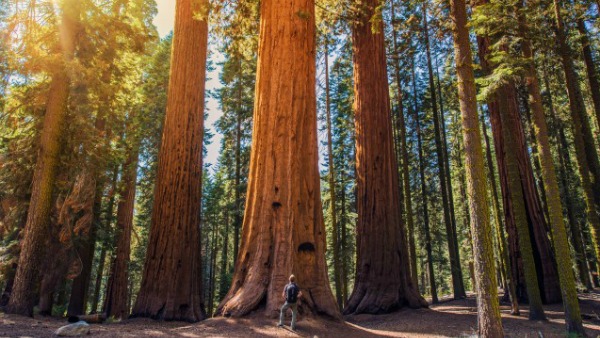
point(38, 216)
point(171, 285)
point(104, 249)
point(115, 304)
point(383, 276)
point(489, 322)
point(283, 230)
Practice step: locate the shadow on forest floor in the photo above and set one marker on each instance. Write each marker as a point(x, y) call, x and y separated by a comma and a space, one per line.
point(449, 318)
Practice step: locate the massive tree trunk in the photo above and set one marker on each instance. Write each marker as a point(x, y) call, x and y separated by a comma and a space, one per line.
point(383, 278)
point(171, 285)
point(283, 231)
point(38, 216)
point(489, 322)
point(115, 303)
point(585, 149)
point(401, 127)
point(455, 269)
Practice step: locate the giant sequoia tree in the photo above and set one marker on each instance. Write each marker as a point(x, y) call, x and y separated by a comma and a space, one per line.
point(171, 282)
point(383, 276)
point(283, 229)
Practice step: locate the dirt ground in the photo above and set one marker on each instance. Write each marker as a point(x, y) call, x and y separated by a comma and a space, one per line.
point(450, 318)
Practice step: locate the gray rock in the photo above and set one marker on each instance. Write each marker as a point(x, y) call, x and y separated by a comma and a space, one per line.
point(80, 328)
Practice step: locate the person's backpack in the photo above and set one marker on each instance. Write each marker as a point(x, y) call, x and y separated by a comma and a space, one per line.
point(291, 295)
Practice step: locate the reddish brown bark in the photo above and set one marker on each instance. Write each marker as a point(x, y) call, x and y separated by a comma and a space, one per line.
point(383, 280)
point(115, 303)
point(283, 229)
point(171, 285)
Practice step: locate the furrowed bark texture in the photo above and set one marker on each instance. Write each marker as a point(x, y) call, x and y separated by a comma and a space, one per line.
point(383, 277)
point(488, 308)
point(283, 231)
point(40, 205)
point(115, 303)
point(171, 285)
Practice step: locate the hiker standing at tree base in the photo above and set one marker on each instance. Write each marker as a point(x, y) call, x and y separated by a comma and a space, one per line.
point(291, 293)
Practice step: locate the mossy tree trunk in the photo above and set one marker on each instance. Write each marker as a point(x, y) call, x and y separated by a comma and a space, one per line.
point(489, 322)
point(550, 181)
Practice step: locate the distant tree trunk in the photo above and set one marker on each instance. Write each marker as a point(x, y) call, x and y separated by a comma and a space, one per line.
point(332, 212)
point(383, 276)
point(115, 303)
point(590, 67)
point(501, 238)
point(238, 178)
point(40, 205)
point(171, 287)
point(343, 240)
point(575, 228)
point(489, 322)
point(98, 282)
point(283, 230)
point(447, 169)
point(455, 269)
point(426, 230)
point(550, 181)
point(108, 220)
point(224, 282)
point(585, 149)
point(405, 168)
point(566, 170)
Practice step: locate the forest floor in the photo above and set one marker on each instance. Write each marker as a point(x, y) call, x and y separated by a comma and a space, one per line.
point(449, 318)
